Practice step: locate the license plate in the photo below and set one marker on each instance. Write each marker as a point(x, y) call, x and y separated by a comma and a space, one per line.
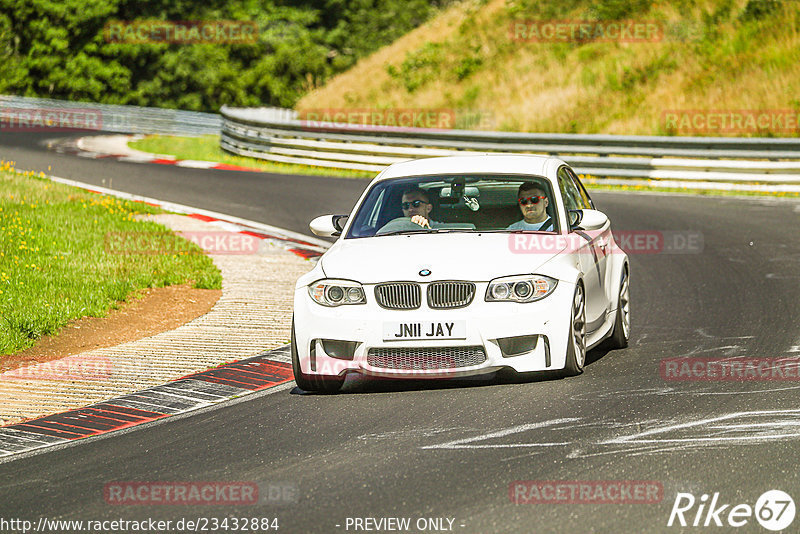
point(397, 331)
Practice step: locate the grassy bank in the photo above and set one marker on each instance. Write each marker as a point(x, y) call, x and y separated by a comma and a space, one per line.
point(54, 262)
point(206, 148)
point(709, 55)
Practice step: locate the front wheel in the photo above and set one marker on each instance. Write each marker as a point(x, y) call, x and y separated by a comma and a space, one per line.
point(576, 344)
point(315, 383)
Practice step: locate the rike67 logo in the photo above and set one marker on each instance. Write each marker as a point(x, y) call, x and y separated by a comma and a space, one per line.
point(774, 510)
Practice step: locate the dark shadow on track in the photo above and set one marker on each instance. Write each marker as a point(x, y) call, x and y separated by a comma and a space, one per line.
point(362, 384)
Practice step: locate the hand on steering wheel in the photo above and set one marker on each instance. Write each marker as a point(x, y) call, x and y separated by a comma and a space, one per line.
point(420, 220)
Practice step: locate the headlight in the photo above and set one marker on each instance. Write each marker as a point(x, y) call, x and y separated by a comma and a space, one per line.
point(522, 288)
point(332, 292)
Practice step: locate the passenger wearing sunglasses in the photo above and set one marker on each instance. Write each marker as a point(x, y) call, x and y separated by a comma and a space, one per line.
point(417, 206)
point(533, 203)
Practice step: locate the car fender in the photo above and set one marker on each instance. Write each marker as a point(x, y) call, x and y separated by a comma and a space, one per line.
point(614, 275)
point(563, 268)
point(314, 274)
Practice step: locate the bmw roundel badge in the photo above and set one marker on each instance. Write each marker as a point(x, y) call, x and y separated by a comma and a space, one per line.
point(425, 272)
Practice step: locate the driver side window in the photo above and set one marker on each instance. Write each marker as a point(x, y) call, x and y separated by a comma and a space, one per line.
point(585, 201)
point(372, 222)
point(572, 198)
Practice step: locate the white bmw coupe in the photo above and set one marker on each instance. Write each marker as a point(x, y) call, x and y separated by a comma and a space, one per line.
point(459, 266)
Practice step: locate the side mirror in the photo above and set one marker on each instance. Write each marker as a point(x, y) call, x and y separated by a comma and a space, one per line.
point(339, 221)
point(328, 225)
point(575, 218)
point(587, 219)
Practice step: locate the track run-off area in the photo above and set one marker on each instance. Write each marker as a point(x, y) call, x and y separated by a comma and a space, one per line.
point(476, 455)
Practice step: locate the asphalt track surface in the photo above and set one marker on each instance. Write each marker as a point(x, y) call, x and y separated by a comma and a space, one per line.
point(452, 449)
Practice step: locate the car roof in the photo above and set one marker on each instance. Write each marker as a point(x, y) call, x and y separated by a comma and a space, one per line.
point(484, 163)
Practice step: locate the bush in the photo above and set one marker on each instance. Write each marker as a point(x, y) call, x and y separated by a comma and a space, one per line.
point(59, 50)
point(419, 66)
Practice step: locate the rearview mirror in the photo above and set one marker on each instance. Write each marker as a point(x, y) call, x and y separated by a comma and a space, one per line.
point(470, 191)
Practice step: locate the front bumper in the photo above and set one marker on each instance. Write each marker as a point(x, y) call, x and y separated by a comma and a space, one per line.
point(489, 325)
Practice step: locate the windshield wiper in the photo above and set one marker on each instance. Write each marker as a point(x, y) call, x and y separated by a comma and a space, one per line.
point(405, 232)
point(428, 231)
point(518, 231)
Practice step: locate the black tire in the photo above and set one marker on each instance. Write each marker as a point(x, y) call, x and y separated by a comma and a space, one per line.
point(622, 325)
point(576, 343)
point(312, 383)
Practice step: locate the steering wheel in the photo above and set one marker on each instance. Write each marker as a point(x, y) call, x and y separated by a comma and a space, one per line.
point(401, 224)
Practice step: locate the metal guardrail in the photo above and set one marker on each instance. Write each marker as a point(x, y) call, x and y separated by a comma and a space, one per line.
point(277, 135)
point(26, 114)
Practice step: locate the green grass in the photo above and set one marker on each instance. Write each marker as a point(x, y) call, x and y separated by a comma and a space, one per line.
point(206, 148)
point(55, 265)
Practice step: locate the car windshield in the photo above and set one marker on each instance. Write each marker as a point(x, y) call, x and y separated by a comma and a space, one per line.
point(456, 203)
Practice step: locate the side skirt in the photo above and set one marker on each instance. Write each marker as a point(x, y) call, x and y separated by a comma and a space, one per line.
point(601, 334)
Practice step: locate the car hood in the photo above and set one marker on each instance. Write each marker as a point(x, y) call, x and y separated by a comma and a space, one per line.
point(479, 257)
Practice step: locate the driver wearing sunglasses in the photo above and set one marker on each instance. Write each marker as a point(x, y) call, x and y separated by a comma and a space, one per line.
point(533, 203)
point(417, 206)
